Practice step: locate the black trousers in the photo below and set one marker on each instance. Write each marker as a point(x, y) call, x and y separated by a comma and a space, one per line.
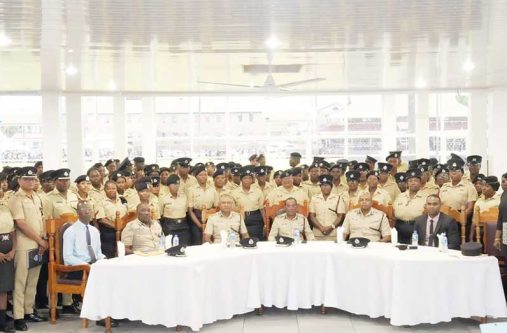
point(107, 240)
point(41, 296)
point(195, 231)
point(405, 230)
point(178, 227)
point(254, 224)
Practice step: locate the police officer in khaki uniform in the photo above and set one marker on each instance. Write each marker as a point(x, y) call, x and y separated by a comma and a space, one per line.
point(235, 179)
point(142, 234)
point(363, 169)
point(474, 167)
point(97, 188)
point(286, 190)
point(370, 161)
point(200, 196)
point(219, 182)
point(427, 186)
point(336, 173)
point(312, 185)
point(367, 222)
point(401, 181)
point(26, 210)
point(173, 208)
point(285, 224)
point(441, 176)
point(353, 192)
point(112, 205)
point(251, 200)
point(262, 183)
point(379, 195)
point(458, 192)
point(327, 210)
point(224, 220)
point(7, 254)
point(183, 171)
point(387, 183)
point(295, 159)
point(409, 205)
point(490, 197)
point(144, 196)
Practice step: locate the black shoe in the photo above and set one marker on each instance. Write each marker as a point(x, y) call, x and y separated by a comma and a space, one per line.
point(35, 318)
point(8, 327)
point(20, 325)
point(102, 323)
point(70, 309)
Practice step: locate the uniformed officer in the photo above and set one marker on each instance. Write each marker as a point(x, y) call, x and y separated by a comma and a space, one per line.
point(253, 159)
point(146, 197)
point(312, 185)
point(297, 176)
point(409, 205)
point(83, 189)
point(200, 196)
point(363, 169)
point(370, 161)
point(262, 183)
point(285, 224)
point(367, 222)
point(219, 182)
point(427, 186)
point(110, 167)
point(478, 182)
point(224, 220)
point(7, 254)
point(327, 210)
point(387, 183)
point(379, 195)
point(173, 208)
point(353, 184)
point(97, 188)
point(47, 182)
point(286, 190)
point(277, 178)
point(474, 167)
point(458, 192)
point(401, 181)
point(441, 176)
point(26, 209)
point(112, 204)
point(39, 167)
point(120, 178)
point(336, 173)
point(251, 200)
point(490, 197)
point(235, 179)
point(142, 234)
point(186, 179)
point(138, 164)
point(352, 165)
point(295, 159)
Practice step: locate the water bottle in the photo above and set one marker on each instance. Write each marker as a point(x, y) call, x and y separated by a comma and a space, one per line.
point(176, 240)
point(162, 242)
point(443, 246)
point(230, 239)
point(297, 235)
point(415, 238)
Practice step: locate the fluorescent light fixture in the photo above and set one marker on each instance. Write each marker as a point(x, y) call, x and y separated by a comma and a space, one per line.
point(4, 40)
point(71, 70)
point(468, 66)
point(272, 43)
point(420, 83)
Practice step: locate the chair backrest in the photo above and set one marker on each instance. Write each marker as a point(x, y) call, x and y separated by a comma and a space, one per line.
point(388, 210)
point(459, 216)
point(121, 222)
point(488, 219)
point(270, 212)
point(55, 229)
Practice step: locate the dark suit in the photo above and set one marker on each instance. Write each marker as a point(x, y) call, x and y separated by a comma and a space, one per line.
point(445, 224)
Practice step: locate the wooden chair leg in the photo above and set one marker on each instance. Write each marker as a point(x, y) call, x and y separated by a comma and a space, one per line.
point(322, 309)
point(108, 325)
point(85, 323)
point(52, 311)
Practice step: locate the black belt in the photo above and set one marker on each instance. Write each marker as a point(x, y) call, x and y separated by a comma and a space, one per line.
point(252, 212)
point(170, 220)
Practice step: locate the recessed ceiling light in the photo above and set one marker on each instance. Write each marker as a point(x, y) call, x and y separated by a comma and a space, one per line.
point(272, 43)
point(420, 83)
point(71, 70)
point(468, 66)
point(4, 40)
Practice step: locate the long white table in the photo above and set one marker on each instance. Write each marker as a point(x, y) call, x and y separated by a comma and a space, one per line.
point(213, 283)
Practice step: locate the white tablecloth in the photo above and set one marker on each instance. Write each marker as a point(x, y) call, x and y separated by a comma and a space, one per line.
point(213, 283)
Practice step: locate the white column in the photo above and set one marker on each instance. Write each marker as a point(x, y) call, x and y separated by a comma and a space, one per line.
point(75, 135)
point(149, 135)
point(388, 125)
point(51, 131)
point(478, 122)
point(495, 161)
point(422, 125)
point(120, 127)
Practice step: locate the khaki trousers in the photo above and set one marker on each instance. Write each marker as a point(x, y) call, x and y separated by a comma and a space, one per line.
point(25, 285)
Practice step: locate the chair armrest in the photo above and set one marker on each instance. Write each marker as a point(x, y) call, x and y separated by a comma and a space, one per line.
point(67, 269)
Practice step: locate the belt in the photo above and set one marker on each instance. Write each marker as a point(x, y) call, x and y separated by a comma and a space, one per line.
point(170, 220)
point(252, 212)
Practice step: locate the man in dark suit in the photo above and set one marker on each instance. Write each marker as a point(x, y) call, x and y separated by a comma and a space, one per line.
point(433, 223)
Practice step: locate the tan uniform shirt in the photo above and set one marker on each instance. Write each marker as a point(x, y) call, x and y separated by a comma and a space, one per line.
point(429, 189)
point(268, 187)
point(391, 188)
point(230, 186)
point(281, 194)
point(199, 197)
point(97, 195)
point(485, 204)
point(29, 209)
point(326, 211)
point(221, 191)
point(403, 167)
point(6, 221)
point(251, 200)
point(185, 185)
point(374, 225)
point(97, 208)
point(130, 194)
point(112, 206)
point(456, 196)
point(164, 189)
point(406, 208)
point(341, 188)
point(312, 188)
point(142, 237)
point(353, 198)
point(57, 204)
point(285, 226)
point(174, 207)
point(381, 196)
point(218, 222)
point(153, 203)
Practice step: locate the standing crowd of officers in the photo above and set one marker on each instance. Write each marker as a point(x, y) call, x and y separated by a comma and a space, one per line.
point(171, 200)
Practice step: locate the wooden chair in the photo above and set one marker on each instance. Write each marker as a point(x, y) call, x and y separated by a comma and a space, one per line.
point(459, 216)
point(121, 222)
point(270, 212)
point(57, 281)
point(488, 220)
point(388, 210)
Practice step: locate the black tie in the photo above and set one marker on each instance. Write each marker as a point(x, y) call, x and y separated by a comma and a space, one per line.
point(430, 240)
point(93, 258)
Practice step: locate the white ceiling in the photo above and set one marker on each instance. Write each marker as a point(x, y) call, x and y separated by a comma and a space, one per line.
point(167, 46)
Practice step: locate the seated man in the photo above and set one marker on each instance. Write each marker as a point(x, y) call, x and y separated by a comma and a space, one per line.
point(367, 222)
point(224, 220)
point(285, 224)
point(143, 233)
point(429, 225)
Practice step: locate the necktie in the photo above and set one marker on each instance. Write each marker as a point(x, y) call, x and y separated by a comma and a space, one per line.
point(93, 258)
point(431, 237)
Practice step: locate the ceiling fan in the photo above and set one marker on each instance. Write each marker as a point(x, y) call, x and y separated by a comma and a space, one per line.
point(269, 83)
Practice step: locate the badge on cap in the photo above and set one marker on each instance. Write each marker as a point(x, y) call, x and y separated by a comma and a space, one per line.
point(454, 164)
point(66, 174)
point(87, 178)
point(402, 177)
point(352, 176)
point(324, 179)
point(250, 241)
point(281, 240)
point(30, 172)
point(261, 170)
point(356, 241)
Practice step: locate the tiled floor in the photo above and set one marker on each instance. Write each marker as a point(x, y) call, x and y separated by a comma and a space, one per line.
point(277, 321)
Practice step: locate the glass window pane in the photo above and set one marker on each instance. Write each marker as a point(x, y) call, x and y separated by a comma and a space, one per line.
point(328, 147)
point(364, 146)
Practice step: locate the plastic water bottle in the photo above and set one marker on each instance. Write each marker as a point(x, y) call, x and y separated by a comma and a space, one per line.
point(443, 246)
point(230, 239)
point(176, 240)
point(297, 235)
point(415, 238)
point(162, 242)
